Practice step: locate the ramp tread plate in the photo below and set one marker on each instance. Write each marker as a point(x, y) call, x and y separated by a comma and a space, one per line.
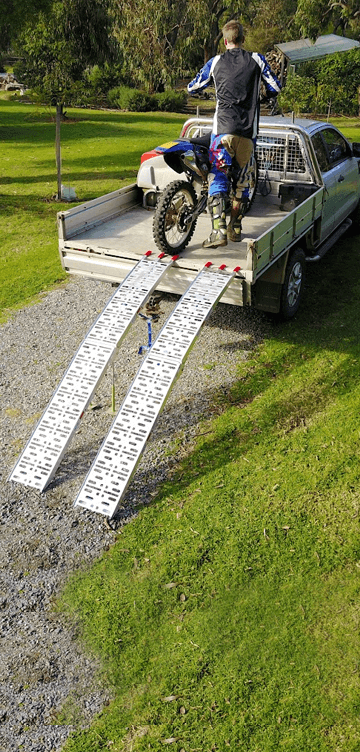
point(46, 447)
point(120, 453)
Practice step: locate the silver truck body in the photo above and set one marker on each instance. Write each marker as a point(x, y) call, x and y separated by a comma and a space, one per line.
point(309, 195)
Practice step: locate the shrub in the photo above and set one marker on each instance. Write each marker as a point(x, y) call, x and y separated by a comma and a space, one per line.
point(171, 101)
point(133, 100)
point(81, 95)
point(113, 96)
point(299, 94)
point(103, 78)
point(338, 79)
point(136, 100)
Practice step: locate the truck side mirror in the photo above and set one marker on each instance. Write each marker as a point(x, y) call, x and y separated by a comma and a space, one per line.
point(356, 149)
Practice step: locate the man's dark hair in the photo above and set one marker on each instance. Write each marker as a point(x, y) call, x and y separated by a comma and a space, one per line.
point(233, 32)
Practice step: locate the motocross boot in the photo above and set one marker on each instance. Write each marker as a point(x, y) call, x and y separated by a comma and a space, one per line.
point(217, 208)
point(234, 227)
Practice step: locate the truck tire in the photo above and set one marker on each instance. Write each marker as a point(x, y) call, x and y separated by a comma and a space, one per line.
point(355, 218)
point(171, 231)
point(293, 286)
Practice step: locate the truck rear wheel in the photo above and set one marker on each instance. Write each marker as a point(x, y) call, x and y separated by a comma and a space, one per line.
point(293, 286)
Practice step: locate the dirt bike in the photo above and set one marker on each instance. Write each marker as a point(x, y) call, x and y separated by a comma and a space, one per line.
point(182, 201)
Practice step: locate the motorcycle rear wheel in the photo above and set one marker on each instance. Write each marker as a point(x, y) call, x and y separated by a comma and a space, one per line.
point(171, 230)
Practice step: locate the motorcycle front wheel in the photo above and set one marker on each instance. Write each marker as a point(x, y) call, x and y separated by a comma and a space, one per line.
point(172, 225)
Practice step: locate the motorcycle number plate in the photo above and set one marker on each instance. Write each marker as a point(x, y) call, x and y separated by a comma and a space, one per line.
point(168, 145)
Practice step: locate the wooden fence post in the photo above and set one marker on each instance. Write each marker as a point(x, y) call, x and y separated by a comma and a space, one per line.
point(58, 150)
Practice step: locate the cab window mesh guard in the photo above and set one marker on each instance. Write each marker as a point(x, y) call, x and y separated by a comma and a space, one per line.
point(280, 154)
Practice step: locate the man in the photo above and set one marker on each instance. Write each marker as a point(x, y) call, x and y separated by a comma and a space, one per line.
point(237, 76)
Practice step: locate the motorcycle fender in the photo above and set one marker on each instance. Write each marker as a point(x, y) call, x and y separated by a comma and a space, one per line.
point(173, 153)
point(173, 160)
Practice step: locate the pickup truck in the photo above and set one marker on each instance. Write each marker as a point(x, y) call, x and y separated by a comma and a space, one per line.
point(308, 188)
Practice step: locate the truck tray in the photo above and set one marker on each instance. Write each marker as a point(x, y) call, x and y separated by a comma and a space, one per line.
point(105, 238)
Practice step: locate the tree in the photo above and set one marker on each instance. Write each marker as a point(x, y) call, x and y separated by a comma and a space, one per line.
point(165, 40)
point(315, 17)
point(57, 47)
point(271, 22)
point(14, 14)
point(151, 36)
point(327, 85)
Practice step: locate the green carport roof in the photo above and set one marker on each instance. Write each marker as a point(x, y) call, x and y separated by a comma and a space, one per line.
point(305, 49)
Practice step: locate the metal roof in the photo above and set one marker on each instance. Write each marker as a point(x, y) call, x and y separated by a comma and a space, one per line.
point(305, 49)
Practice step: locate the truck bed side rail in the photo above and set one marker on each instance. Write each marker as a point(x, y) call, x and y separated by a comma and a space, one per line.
point(92, 213)
point(275, 242)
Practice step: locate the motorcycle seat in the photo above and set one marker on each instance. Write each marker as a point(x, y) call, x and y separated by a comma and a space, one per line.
point(199, 140)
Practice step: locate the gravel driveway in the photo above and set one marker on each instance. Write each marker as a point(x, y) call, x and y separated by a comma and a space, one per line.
point(43, 538)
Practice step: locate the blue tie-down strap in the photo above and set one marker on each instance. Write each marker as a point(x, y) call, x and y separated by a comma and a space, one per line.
point(146, 348)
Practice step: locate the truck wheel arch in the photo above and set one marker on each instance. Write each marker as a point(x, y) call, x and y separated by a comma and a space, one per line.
point(293, 285)
point(271, 291)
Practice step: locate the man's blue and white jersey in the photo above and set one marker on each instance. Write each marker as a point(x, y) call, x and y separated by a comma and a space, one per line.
point(237, 75)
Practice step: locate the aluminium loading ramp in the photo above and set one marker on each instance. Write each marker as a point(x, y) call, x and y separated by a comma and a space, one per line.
point(113, 468)
point(47, 445)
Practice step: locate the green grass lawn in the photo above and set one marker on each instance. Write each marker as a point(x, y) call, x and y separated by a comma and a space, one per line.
point(226, 615)
point(100, 153)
